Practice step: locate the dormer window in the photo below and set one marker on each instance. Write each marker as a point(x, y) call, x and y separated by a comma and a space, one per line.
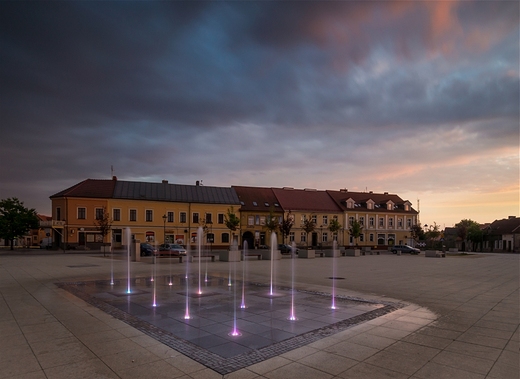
point(255, 203)
point(266, 204)
point(370, 204)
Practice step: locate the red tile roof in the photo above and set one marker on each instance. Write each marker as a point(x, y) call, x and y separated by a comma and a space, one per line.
point(263, 197)
point(305, 200)
point(93, 188)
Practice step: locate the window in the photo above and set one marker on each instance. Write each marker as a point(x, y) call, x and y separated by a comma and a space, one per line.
point(324, 237)
point(362, 221)
point(220, 218)
point(351, 220)
point(82, 213)
point(182, 216)
point(195, 218)
point(303, 237)
point(371, 237)
point(361, 238)
point(262, 220)
point(399, 222)
point(380, 239)
point(250, 220)
point(291, 236)
point(409, 223)
point(381, 222)
point(371, 222)
point(99, 213)
point(257, 220)
point(149, 215)
point(58, 214)
point(225, 237)
point(171, 217)
point(314, 219)
point(133, 214)
point(335, 218)
point(209, 218)
point(116, 214)
point(255, 203)
point(391, 222)
point(325, 220)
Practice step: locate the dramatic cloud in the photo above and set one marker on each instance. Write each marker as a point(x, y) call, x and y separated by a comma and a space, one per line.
point(420, 98)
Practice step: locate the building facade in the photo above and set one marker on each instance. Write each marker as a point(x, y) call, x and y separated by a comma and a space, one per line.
point(162, 212)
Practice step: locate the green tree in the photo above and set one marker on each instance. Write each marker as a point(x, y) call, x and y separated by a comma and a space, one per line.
point(334, 226)
point(469, 231)
point(271, 223)
point(231, 221)
point(355, 229)
point(16, 220)
point(286, 225)
point(432, 233)
point(417, 233)
point(104, 225)
point(308, 227)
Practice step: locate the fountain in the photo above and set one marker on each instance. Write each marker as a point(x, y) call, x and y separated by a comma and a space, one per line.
point(128, 256)
point(186, 278)
point(235, 332)
point(292, 317)
point(199, 252)
point(274, 243)
point(244, 262)
point(334, 248)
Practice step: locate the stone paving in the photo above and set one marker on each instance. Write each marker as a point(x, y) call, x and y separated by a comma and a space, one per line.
point(458, 317)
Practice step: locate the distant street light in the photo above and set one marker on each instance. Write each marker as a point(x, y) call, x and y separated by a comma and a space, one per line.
point(164, 227)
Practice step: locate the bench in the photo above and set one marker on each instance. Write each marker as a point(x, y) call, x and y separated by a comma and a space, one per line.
point(179, 257)
point(254, 255)
point(202, 256)
point(434, 254)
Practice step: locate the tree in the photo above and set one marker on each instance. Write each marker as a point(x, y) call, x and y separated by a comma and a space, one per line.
point(286, 225)
point(16, 220)
point(231, 220)
point(334, 226)
point(469, 230)
point(308, 226)
point(355, 229)
point(417, 233)
point(271, 224)
point(432, 233)
point(103, 225)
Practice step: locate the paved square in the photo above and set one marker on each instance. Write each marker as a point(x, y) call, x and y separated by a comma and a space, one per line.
point(222, 324)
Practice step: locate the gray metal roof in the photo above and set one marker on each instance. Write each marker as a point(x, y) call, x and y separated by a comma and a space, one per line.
point(175, 193)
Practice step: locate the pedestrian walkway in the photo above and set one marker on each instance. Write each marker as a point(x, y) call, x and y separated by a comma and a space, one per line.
point(459, 319)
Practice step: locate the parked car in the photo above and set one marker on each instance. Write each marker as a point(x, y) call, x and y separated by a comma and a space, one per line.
point(147, 250)
point(286, 249)
point(405, 249)
point(171, 249)
point(46, 243)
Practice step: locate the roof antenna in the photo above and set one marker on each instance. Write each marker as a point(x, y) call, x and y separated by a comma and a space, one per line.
point(111, 171)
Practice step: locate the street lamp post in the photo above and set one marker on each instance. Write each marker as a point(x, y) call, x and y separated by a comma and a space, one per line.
point(164, 227)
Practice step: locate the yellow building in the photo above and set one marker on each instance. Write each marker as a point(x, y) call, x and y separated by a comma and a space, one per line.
point(149, 212)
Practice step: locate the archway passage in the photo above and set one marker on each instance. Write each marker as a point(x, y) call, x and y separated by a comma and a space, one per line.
point(249, 238)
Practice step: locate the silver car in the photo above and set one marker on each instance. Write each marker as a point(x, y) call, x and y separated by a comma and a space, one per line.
point(171, 249)
point(405, 249)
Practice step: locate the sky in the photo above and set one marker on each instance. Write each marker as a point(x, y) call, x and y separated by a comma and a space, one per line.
point(417, 98)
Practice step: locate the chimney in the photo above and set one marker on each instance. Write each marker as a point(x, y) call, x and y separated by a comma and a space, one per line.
point(114, 178)
point(197, 183)
point(164, 182)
